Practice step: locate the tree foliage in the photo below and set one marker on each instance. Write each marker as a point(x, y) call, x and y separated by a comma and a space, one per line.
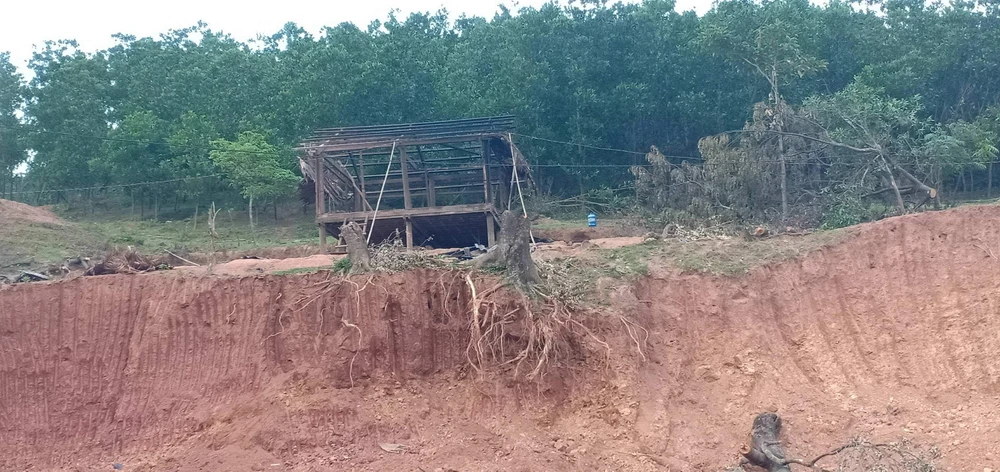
point(915, 85)
point(252, 166)
point(12, 146)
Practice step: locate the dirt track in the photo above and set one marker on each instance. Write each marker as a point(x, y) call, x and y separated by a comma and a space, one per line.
point(890, 334)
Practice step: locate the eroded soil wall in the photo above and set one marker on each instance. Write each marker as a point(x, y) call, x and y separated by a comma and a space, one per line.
point(108, 365)
point(894, 333)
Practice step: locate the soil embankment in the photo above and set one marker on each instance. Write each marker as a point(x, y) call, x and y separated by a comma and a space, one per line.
point(109, 367)
point(890, 334)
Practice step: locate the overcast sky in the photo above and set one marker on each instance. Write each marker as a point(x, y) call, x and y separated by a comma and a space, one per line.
point(25, 24)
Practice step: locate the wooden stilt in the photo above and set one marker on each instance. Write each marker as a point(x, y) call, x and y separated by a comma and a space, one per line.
point(487, 181)
point(320, 201)
point(409, 234)
point(491, 235)
point(431, 192)
point(407, 198)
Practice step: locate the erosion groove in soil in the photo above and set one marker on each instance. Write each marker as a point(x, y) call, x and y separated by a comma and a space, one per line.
point(117, 363)
point(890, 334)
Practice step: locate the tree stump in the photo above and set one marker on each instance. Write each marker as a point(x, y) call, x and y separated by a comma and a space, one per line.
point(357, 248)
point(513, 251)
point(765, 449)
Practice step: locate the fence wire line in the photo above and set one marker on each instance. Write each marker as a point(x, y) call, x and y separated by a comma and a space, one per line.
point(565, 166)
point(110, 186)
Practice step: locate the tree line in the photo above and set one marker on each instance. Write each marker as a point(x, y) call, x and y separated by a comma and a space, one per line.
point(777, 109)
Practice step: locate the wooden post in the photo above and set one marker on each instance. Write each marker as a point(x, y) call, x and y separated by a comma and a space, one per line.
point(505, 190)
point(431, 192)
point(361, 176)
point(409, 233)
point(407, 198)
point(427, 179)
point(491, 232)
point(320, 200)
point(487, 190)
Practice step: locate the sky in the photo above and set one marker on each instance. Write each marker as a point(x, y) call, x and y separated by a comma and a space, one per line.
point(92, 22)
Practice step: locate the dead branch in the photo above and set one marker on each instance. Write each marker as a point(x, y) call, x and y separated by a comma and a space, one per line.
point(806, 137)
point(765, 451)
point(902, 190)
point(183, 259)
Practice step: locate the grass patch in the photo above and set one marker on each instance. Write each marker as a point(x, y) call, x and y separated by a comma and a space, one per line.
point(343, 266)
point(37, 244)
point(302, 270)
point(32, 244)
point(549, 223)
point(182, 235)
point(738, 256)
point(575, 278)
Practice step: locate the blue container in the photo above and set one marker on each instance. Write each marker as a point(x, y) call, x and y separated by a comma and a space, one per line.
point(592, 220)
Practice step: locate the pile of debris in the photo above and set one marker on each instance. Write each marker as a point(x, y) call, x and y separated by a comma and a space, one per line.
point(127, 261)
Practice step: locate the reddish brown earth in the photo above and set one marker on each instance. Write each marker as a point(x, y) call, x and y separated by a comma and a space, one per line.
point(890, 334)
point(11, 210)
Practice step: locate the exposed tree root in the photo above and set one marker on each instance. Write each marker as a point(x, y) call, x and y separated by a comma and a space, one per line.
point(633, 330)
point(527, 335)
point(350, 368)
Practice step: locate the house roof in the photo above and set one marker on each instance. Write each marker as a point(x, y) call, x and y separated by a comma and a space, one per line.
point(367, 137)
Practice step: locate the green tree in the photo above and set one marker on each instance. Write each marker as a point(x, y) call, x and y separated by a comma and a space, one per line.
point(190, 142)
point(876, 137)
point(135, 152)
point(68, 115)
point(252, 165)
point(765, 40)
point(12, 145)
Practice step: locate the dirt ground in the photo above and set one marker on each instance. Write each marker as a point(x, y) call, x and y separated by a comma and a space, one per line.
point(244, 267)
point(11, 210)
point(889, 334)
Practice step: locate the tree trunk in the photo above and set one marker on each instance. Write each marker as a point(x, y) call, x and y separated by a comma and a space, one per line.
point(250, 210)
point(513, 251)
point(357, 248)
point(929, 192)
point(765, 448)
point(274, 202)
point(895, 190)
point(784, 179)
point(780, 125)
point(212, 213)
point(989, 182)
